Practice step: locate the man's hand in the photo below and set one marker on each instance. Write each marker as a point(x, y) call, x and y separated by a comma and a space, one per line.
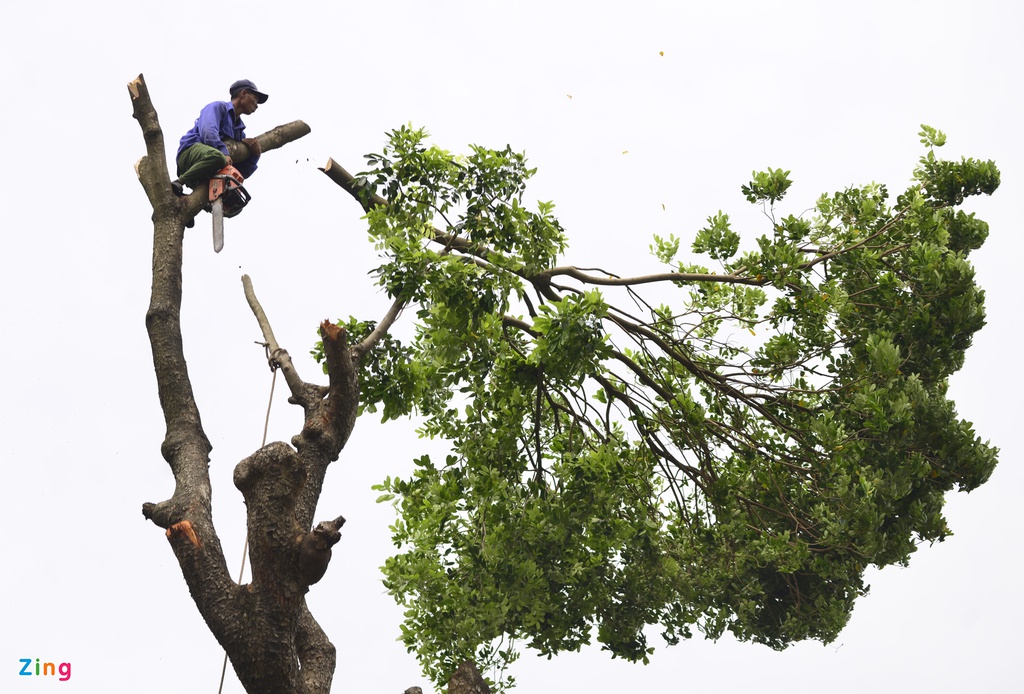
point(254, 146)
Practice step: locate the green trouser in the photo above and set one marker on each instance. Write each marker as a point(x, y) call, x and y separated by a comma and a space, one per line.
point(198, 163)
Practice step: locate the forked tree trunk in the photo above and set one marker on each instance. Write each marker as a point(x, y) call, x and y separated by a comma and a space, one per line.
point(274, 643)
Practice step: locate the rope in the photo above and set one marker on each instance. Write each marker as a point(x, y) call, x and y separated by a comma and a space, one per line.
point(274, 365)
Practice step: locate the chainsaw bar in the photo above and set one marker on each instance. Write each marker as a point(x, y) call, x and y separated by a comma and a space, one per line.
point(218, 225)
point(227, 198)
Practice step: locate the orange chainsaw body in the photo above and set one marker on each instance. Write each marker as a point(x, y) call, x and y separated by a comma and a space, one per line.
point(226, 186)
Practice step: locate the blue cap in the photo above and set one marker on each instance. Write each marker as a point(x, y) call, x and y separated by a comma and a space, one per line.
point(249, 86)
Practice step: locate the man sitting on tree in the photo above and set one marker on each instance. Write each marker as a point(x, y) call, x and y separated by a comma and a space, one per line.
point(202, 152)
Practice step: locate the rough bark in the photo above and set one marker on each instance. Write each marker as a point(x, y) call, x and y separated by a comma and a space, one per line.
point(467, 680)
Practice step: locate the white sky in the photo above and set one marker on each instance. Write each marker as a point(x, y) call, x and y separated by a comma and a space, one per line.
point(834, 92)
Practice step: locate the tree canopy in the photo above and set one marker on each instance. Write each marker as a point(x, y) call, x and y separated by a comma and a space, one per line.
point(725, 444)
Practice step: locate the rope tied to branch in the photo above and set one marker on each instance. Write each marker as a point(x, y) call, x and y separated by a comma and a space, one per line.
point(272, 359)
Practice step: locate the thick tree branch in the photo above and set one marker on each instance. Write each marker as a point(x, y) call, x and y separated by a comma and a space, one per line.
point(381, 329)
point(272, 139)
point(611, 281)
point(342, 403)
point(188, 513)
point(330, 413)
point(297, 386)
point(315, 549)
point(365, 197)
point(368, 200)
point(186, 447)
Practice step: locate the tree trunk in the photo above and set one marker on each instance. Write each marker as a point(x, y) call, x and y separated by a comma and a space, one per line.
point(273, 641)
point(467, 680)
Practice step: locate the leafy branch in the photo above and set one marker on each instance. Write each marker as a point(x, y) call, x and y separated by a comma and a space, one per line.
point(696, 449)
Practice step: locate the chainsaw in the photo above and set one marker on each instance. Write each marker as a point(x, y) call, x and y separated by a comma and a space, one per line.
point(227, 198)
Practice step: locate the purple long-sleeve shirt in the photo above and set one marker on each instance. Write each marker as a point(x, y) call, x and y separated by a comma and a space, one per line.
point(215, 122)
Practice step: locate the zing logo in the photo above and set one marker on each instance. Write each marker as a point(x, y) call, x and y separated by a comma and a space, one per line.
point(64, 669)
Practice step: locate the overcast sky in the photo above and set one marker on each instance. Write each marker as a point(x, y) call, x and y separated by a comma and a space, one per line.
point(642, 117)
